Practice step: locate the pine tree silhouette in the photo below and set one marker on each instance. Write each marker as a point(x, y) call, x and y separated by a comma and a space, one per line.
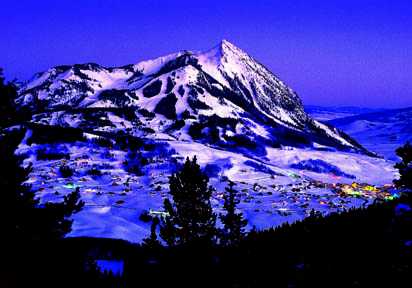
point(234, 223)
point(10, 113)
point(27, 218)
point(404, 167)
point(8, 93)
point(190, 219)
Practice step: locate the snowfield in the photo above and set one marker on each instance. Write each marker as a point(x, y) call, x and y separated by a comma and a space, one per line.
point(381, 132)
point(271, 191)
point(378, 130)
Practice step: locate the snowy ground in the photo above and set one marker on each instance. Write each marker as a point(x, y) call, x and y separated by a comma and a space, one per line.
point(380, 131)
point(283, 186)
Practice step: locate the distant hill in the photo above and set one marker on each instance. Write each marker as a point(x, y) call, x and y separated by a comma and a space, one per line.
point(321, 113)
point(381, 132)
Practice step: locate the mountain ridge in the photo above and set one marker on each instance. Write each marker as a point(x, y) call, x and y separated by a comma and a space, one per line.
point(223, 81)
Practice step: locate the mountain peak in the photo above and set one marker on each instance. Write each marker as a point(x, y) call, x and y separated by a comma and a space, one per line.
point(227, 47)
point(222, 52)
point(227, 44)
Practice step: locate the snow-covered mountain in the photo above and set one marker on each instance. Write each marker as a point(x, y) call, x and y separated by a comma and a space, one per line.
point(117, 134)
point(222, 96)
point(381, 132)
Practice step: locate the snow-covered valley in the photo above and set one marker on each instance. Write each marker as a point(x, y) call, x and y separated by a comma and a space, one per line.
point(285, 185)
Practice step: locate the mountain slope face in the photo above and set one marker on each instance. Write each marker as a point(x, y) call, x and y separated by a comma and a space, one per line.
point(222, 97)
point(381, 132)
point(117, 134)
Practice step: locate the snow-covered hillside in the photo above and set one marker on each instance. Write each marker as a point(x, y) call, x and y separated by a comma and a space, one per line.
point(284, 185)
point(118, 133)
point(216, 96)
point(381, 132)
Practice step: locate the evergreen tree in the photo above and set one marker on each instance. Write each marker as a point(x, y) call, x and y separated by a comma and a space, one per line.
point(8, 93)
point(234, 223)
point(404, 167)
point(24, 217)
point(10, 113)
point(189, 219)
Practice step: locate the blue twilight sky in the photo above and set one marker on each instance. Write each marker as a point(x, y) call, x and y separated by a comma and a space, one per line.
point(349, 52)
